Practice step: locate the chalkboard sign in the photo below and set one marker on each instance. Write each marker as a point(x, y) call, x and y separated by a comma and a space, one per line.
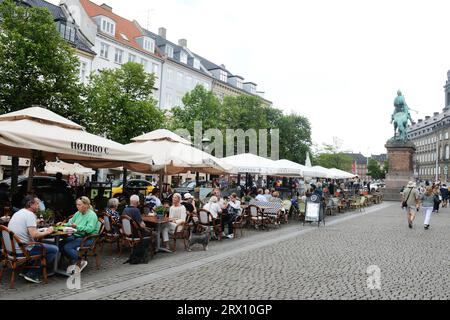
point(314, 210)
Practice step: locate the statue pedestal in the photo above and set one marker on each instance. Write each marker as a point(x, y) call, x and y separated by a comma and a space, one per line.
point(401, 170)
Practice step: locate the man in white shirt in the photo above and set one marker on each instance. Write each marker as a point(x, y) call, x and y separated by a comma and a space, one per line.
point(24, 225)
point(213, 207)
point(260, 196)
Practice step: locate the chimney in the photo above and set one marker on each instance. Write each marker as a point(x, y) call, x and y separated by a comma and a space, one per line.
point(427, 117)
point(222, 66)
point(420, 120)
point(182, 43)
point(446, 109)
point(106, 7)
point(162, 32)
point(436, 114)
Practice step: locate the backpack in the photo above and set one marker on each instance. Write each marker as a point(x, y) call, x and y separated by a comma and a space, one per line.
point(140, 253)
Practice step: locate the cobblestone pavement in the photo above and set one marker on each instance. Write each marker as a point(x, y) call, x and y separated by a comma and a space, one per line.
point(294, 262)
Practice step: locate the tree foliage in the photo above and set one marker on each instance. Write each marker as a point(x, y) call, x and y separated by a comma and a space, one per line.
point(330, 157)
point(120, 103)
point(374, 170)
point(243, 112)
point(199, 105)
point(37, 67)
point(295, 137)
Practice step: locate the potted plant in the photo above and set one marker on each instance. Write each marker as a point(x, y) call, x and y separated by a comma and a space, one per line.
point(47, 215)
point(160, 211)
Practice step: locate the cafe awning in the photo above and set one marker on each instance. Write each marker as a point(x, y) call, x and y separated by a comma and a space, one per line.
point(55, 137)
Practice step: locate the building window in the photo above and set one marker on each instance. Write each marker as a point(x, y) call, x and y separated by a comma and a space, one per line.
point(131, 58)
point(155, 69)
point(188, 81)
point(149, 44)
point(447, 152)
point(196, 64)
point(446, 136)
point(144, 64)
point(169, 100)
point(169, 75)
point(67, 32)
point(183, 57)
point(223, 76)
point(440, 136)
point(108, 27)
point(118, 56)
point(104, 50)
point(239, 84)
point(83, 66)
point(169, 51)
point(179, 78)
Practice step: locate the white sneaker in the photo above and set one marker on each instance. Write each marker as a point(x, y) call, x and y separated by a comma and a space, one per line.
point(83, 265)
point(230, 236)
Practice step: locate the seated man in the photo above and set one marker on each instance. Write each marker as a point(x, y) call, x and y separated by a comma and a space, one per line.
point(189, 204)
point(152, 201)
point(23, 224)
point(260, 196)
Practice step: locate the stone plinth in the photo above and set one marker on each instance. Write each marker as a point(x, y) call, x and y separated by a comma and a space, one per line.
point(401, 170)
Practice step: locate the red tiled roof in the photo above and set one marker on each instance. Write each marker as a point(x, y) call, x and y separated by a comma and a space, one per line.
point(127, 27)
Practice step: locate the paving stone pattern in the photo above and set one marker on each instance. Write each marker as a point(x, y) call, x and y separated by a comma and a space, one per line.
point(293, 262)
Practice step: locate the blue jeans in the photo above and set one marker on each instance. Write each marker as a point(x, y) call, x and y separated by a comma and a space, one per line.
point(51, 252)
point(71, 246)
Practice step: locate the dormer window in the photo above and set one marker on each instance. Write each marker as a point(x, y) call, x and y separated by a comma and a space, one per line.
point(223, 76)
point(169, 51)
point(66, 31)
point(108, 26)
point(149, 44)
point(196, 63)
point(239, 84)
point(183, 57)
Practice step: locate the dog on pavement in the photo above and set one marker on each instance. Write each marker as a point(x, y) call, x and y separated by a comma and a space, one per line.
point(199, 235)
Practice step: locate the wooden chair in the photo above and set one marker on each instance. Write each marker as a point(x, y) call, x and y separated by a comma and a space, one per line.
point(302, 210)
point(133, 234)
point(238, 224)
point(110, 234)
point(181, 232)
point(257, 218)
point(13, 260)
point(91, 250)
point(206, 219)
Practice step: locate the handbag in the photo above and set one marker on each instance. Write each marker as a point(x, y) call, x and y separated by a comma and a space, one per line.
point(405, 203)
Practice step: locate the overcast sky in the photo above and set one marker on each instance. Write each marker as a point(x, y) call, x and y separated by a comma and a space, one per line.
point(339, 63)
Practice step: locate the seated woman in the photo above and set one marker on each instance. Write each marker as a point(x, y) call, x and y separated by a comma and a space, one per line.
point(85, 222)
point(111, 210)
point(177, 215)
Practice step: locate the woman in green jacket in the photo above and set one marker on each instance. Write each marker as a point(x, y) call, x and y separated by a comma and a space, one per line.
point(85, 222)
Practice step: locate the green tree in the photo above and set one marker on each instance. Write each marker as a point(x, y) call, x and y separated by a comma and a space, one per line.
point(37, 67)
point(244, 112)
point(374, 170)
point(199, 105)
point(330, 157)
point(120, 103)
point(295, 137)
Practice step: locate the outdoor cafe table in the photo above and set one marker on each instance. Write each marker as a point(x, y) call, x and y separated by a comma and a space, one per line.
point(57, 235)
point(159, 222)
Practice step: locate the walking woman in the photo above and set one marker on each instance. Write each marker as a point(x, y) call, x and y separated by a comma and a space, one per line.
point(427, 200)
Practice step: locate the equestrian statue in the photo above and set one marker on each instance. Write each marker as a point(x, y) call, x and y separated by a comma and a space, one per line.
point(400, 117)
